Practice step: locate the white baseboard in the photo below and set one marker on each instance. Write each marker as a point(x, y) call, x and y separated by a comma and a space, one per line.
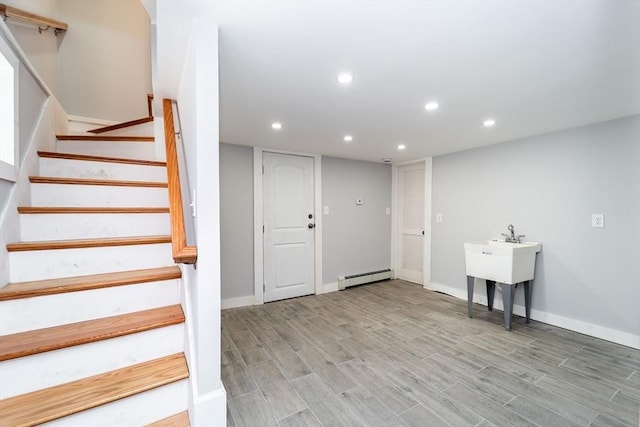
point(210, 409)
point(326, 288)
point(252, 300)
point(597, 331)
point(239, 302)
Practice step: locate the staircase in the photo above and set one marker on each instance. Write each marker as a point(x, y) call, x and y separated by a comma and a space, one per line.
point(91, 326)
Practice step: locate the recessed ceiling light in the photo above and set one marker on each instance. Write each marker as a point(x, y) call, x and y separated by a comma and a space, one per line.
point(488, 123)
point(431, 106)
point(345, 78)
point(348, 138)
point(401, 146)
point(276, 125)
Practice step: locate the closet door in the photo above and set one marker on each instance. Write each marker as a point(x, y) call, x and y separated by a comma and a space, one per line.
point(410, 223)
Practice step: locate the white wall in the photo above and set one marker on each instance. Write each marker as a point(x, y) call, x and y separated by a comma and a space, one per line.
point(104, 60)
point(41, 49)
point(195, 88)
point(101, 66)
point(236, 220)
point(355, 238)
point(548, 186)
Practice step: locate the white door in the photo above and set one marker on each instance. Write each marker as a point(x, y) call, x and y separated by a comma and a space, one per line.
point(411, 223)
point(289, 226)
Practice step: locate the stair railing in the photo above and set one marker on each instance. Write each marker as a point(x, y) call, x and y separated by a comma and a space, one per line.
point(183, 253)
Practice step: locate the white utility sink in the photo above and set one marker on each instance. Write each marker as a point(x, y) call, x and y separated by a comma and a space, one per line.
point(501, 262)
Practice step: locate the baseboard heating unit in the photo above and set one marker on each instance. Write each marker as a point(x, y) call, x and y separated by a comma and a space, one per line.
point(360, 279)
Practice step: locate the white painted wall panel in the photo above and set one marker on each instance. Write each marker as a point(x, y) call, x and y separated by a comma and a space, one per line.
point(40, 227)
point(54, 263)
point(53, 310)
point(30, 373)
point(101, 170)
point(128, 150)
point(61, 195)
point(138, 410)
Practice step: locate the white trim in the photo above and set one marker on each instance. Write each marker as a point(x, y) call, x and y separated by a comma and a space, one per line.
point(317, 191)
point(258, 220)
point(580, 326)
point(8, 172)
point(258, 224)
point(426, 245)
point(327, 287)
point(394, 217)
point(90, 120)
point(239, 302)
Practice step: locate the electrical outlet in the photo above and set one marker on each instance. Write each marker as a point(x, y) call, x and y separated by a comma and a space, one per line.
point(597, 220)
point(438, 217)
point(388, 210)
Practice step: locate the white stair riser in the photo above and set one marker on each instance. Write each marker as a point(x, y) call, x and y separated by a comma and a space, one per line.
point(128, 150)
point(56, 263)
point(138, 410)
point(31, 373)
point(60, 195)
point(101, 170)
point(38, 227)
point(144, 129)
point(22, 315)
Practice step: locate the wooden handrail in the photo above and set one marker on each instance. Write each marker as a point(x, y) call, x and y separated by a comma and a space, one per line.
point(150, 104)
point(182, 253)
point(23, 15)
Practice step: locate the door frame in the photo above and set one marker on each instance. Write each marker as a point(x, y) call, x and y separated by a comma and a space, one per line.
point(395, 218)
point(258, 220)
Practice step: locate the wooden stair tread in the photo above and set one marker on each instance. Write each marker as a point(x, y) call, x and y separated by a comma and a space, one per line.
point(83, 283)
point(122, 125)
point(87, 243)
point(89, 181)
point(56, 337)
point(177, 420)
point(105, 159)
point(88, 210)
point(105, 138)
point(56, 402)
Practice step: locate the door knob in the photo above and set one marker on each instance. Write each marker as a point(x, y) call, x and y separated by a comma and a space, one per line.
point(311, 225)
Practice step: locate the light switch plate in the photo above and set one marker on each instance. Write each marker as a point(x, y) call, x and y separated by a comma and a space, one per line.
point(597, 220)
point(326, 210)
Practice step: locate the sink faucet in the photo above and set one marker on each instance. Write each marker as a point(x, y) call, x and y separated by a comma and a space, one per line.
point(512, 237)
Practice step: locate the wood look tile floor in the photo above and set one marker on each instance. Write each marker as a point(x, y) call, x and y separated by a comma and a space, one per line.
point(393, 354)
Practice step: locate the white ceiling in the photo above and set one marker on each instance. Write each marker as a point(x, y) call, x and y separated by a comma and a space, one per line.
point(533, 66)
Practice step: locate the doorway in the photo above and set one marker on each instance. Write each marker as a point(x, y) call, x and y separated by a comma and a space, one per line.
point(289, 226)
point(411, 223)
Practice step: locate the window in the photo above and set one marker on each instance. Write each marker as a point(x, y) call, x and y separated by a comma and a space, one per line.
point(8, 112)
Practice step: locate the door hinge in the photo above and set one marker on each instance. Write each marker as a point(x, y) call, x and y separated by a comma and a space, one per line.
point(262, 170)
point(263, 229)
point(264, 288)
